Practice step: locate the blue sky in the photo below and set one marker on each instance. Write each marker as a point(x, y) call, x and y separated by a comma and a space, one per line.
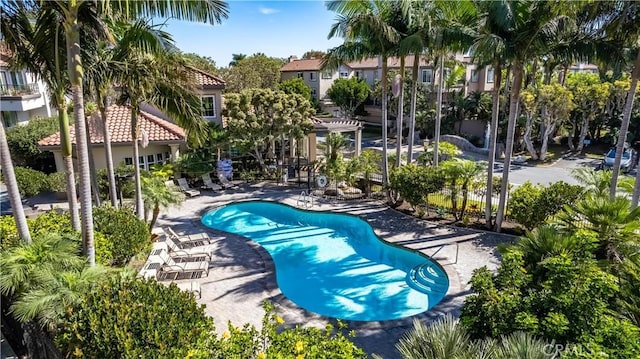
point(276, 28)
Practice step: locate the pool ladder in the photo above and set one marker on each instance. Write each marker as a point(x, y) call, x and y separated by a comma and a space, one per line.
point(305, 199)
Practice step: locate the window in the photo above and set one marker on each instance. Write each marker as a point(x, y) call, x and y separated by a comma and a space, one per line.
point(344, 74)
point(427, 76)
point(312, 76)
point(159, 158)
point(357, 74)
point(474, 76)
point(326, 75)
point(128, 161)
point(490, 75)
point(151, 160)
point(313, 93)
point(209, 106)
point(300, 75)
point(10, 118)
point(167, 157)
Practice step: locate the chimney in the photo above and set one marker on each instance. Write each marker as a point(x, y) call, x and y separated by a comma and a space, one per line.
point(293, 58)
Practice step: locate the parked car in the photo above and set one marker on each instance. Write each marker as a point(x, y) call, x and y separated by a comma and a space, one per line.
point(628, 162)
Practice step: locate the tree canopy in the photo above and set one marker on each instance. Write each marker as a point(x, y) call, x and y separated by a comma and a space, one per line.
point(257, 117)
point(348, 94)
point(297, 86)
point(257, 71)
point(204, 63)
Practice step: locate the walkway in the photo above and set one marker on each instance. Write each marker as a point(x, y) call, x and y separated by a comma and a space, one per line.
point(242, 274)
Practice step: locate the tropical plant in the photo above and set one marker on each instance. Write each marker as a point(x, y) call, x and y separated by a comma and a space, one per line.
point(459, 174)
point(157, 195)
point(414, 183)
point(367, 30)
point(366, 164)
point(519, 41)
point(236, 58)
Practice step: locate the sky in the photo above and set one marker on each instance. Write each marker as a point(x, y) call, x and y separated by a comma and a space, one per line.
point(276, 28)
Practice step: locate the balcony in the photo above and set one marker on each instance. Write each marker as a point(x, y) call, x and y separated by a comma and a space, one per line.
point(18, 90)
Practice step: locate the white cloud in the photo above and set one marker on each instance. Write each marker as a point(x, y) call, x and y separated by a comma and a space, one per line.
point(268, 10)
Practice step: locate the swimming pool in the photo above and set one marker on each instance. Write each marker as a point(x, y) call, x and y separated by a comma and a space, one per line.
point(334, 264)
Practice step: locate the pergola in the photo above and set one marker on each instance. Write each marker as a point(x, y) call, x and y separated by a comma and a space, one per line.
point(330, 125)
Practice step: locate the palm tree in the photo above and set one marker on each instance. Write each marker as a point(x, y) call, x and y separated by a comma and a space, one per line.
point(210, 11)
point(621, 24)
point(157, 195)
point(12, 187)
point(33, 48)
point(163, 80)
point(521, 30)
point(235, 58)
point(367, 31)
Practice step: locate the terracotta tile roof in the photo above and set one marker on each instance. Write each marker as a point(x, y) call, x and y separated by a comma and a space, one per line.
point(119, 120)
point(370, 63)
point(206, 80)
point(302, 65)
point(392, 62)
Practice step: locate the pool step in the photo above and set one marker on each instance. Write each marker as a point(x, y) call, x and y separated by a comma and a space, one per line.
point(427, 279)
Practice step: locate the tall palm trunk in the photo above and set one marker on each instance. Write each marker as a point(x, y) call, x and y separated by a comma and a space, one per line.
point(65, 144)
point(511, 129)
point(106, 134)
point(414, 100)
point(74, 62)
point(385, 160)
point(624, 128)
point(67, 160)
point(493, 135)
point(436, 136)
point(400, 114)
point(95, 191)
point(136, 162)
point(12, 187)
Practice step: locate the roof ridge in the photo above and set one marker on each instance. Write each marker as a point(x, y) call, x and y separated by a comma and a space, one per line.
point(206, 73)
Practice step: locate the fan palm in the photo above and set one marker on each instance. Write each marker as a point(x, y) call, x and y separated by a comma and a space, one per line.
point(9, 178)
point(442, 339)
point(367, 31)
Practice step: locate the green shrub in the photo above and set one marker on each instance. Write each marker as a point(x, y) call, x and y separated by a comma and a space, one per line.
point(30, 182)
point(414, 183)
point(126, 317)
point(276, 341)
point(57, 182)
point(23, 143)
point(50, 222)
point(126, 186)
point(531, 205)
point(8, 232)
point(125, 235)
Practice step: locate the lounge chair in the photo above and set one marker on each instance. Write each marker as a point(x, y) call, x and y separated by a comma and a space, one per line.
point(225, 182)
point(184, 186)
point(208, 183)
point(191, 240)
point(187, 270)
point(194, 254)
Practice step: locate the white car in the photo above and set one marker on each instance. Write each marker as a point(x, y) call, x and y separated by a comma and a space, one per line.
point(628, 162)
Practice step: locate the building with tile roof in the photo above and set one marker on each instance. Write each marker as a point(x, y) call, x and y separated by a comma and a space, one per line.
point(22, 95)
point(165, 139)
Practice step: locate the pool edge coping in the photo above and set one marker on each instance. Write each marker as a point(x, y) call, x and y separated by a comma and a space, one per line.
point(444, 306)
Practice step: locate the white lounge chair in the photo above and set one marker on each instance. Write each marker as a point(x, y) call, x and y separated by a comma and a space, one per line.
point(191, 287)
point(208, 183)
point(225, 182)
point(194, 254)
point(191, 240)
point(184, 186)
point(188, 270)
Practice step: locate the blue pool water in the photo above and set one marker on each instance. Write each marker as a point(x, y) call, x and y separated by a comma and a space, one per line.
point(334, 264)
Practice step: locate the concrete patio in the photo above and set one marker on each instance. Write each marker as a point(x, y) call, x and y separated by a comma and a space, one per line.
point(242, 274)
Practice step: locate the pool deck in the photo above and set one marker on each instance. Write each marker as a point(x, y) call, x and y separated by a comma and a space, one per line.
point(242, 274)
